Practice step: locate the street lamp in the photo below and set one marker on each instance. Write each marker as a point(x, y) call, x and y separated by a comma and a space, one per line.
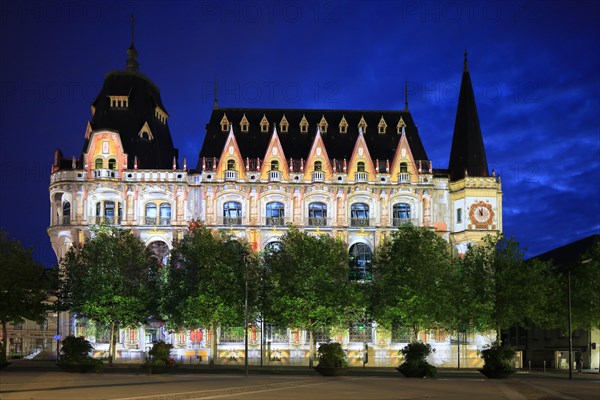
point(244, 255)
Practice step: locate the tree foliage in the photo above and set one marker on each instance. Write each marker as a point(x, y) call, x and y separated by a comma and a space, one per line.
point(411, 276)
point(207, 277)
point(113, 279)
point(24, 286)
point(504, 289)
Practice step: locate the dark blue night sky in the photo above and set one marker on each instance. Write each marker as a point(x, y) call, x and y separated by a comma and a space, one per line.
point(535, 68)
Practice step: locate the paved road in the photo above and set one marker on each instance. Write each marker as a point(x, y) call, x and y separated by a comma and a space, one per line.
point(56, 385)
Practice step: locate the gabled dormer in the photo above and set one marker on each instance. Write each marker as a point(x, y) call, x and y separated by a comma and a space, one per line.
point(104, 157)
point(146, 132)
point(284, 124)
point(160, 114)
point(264, 124)
point(231, 165)
point(323, 124)
point(274, 167)
point(360, 167)
point(401, 125)
point(303, 124)
point(318, 166)
point(224, 123)
point(382, 126)
point(343, 125)
point(362, 124)
point(244, 124)
point(404, 169)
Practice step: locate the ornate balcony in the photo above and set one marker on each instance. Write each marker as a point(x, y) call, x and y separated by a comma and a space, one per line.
point(231, 175)
point(317, 221)
point(402, 221)
point(105, 174)
point(403, 177)
point(232, 221)
point(361, 176)
point(359, 222)
point(275, 221)
point(318, 176)
point(274, 176)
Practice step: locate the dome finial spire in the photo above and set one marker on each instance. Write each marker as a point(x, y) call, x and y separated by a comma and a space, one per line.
point(131, 63)
point(466, 63)
point(406, 96)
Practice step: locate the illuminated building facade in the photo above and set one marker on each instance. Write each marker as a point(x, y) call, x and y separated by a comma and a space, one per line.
point(353, 174)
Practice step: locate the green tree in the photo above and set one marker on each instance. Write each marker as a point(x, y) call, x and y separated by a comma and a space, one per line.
point(206, 285)
point(113, 279)
point(504, 289)
point(411, 276)
point(307, 284)
point(24, 287)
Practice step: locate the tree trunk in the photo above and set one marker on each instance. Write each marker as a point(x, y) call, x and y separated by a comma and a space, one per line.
point(415, 333)
point(311, 348)
point(213, 344)
point(4, 351)
point(111, 344)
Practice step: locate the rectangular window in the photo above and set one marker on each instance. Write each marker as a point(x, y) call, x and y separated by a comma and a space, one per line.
point(459, 216)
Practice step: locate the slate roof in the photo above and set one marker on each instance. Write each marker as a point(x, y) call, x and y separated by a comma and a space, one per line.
point(296, 144)
point(569, 254)
point(468, 151)
point(144, 96)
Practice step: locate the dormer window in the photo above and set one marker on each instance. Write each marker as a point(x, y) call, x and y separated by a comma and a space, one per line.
point(403, 167)
point(112, 164)
point(264, 124)
point(244, 124)
point(274, 165)
point(224, 123)
point(231, 165)
point(160, 115)
point(360, 167)
point(382, 127)
point(323, 124)
point(318, 166)
point(119, 102)
point(362, 124)
point(145, 135)
point(145, 132)
point(98, 163)
point(401, 124)
point(284, 124)
point(303, 124)
point(343, 125)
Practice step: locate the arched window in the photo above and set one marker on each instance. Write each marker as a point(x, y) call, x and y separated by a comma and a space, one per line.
point(318, 166)
point(112, 164)
point(360, 262)
point(360, 166)
point(108, 212)
point(150, 215)
point(272, 247)
point(403, 167)
point(359, 214)
point(99, 163)
point(232, 213)
point(165, 214)
point(317, 214)
point(231, 165)
point(66, 210)
point(401, 214)
point(274, 165)
point(275, 214)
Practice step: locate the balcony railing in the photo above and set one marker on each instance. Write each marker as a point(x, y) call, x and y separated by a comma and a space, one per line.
point(231, 175)
point(361, 176)
point(275, 221)
point(402, 221)
point(162, 221)
point(66, 220)
point(105, 173)
point(359, 222)
point(232, 220)
point(112, 220)
point(318, 176)
point(317, 221)
point(274, 176)
point(403, 177)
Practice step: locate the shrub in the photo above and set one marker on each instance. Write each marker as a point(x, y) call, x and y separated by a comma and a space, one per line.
point(331, 355)
point(415, 359)
point(498, 358)
point(161, 354)
point(76, 351)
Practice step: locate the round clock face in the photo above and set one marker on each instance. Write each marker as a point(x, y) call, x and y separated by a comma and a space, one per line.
point(481, 214)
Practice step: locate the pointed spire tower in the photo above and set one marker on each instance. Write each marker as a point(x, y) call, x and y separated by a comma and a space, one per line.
point(467, 157)
point(132, 64)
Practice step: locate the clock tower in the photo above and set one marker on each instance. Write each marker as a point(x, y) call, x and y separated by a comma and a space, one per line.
point(475, 194)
